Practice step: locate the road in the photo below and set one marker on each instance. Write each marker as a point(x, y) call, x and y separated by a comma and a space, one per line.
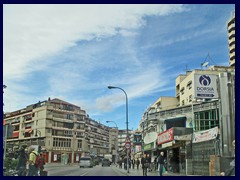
point(75, 170)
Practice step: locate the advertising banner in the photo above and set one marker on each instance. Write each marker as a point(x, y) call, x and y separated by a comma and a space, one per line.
point(205, 135)
point(205, 86)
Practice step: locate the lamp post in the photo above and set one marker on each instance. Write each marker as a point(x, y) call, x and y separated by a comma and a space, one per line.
point(113, 87)
point(116, 144)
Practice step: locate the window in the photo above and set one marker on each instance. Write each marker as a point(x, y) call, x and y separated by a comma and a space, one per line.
point(61, 142)
point(182, 102)
point(189, 84)
point(190, 98)
point(206, 119)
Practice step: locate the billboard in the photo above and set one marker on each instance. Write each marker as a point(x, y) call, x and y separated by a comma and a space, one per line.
point(205, 86)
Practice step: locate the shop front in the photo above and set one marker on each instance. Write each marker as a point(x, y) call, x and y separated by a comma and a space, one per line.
point(150, 145)
point(172, 143)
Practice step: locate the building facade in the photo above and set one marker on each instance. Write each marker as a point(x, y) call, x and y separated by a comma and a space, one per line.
point(60, 128)
point(172, 130)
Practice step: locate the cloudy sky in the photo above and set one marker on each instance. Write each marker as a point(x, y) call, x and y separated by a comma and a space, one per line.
point(73, 52)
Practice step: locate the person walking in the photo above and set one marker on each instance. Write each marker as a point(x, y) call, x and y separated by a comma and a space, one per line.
point(137, 163)
point(161, 163)
point(155, 163)
point(22, 161)
point(145, 164)
point(133, 163)
point(149, 161)
point(33, 170)
point(41, 168)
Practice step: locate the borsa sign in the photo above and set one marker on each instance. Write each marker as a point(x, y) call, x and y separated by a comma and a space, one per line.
point(165, 136)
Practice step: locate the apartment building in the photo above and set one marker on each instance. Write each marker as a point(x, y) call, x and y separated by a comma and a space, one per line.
point(113, 143)
point(98, 138)
point(231, 39)
point(59, 128)
point(122, 136)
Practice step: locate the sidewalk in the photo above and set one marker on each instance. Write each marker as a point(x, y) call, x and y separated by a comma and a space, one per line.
point(139, 172)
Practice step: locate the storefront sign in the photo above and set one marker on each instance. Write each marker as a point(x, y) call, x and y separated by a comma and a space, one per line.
point(205, 135)
point(165, 136)
point(187, 137)
point(168, 144)
point(149, 146)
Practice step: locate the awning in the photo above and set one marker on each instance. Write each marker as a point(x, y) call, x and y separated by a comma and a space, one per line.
point(15, 134)
point(28, 131)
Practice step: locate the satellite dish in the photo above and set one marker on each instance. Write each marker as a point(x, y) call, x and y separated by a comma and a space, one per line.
point(205, 64)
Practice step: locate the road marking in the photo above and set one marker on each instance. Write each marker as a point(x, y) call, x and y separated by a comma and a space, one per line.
point(84, 174)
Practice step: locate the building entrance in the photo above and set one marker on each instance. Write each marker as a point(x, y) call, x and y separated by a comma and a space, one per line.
point(173, 160)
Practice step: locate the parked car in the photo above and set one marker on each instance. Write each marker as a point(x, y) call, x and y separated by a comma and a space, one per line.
point(86, 162)
point(106, 162)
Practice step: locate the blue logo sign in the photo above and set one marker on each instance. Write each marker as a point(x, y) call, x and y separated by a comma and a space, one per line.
point(205, 80)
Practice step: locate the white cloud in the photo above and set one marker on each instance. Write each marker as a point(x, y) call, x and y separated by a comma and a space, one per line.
point(33, 32)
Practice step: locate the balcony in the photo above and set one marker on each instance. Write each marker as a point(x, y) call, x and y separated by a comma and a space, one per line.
point(231, 26)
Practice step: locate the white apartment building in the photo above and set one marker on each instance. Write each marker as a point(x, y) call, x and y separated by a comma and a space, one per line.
point(231, 39)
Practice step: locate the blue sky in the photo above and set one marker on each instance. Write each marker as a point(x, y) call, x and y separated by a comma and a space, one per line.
point(73, 52)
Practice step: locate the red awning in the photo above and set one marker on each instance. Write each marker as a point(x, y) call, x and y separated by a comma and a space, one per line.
point(15, 134)
point(28, 130)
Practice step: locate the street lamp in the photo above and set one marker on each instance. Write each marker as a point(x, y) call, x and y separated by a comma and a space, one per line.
point(113, 87)
point(116, 140)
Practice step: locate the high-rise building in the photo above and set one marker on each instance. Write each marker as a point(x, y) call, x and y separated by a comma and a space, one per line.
point(231, 39)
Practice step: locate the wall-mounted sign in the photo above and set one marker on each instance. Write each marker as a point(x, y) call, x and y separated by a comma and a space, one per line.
point(205, 86)
point(150, 137)
point(165, 136)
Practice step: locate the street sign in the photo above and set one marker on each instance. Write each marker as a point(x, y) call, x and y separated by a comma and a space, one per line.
point(127, 139)
point(127, 145)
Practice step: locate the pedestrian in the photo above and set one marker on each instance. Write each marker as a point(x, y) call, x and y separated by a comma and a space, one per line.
point(120, 163)
point(145, 164)
point(22, 161)
point(155, 163)
point(149, 161)
point(137, 163)
point(230, 171)
point(33, 170)
point(41, 168)
point(133, 163)
point(161, 161)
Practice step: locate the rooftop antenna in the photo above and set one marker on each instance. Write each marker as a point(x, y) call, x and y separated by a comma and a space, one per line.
point(186, 69)
point(206, 62)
